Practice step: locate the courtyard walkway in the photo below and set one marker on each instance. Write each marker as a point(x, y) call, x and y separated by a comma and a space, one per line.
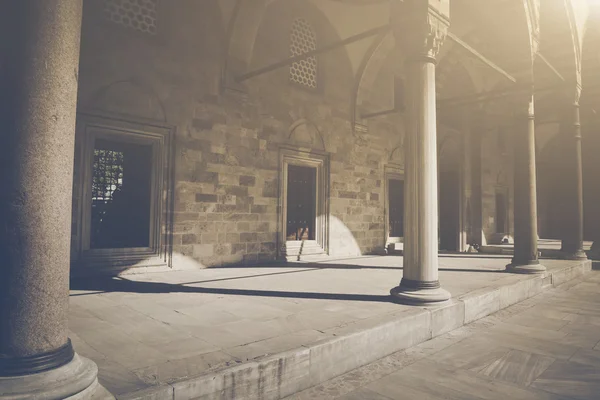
point(549, 248)
point(546, 347)
point(275, 330)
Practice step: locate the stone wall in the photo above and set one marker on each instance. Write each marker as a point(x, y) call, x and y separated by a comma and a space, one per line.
point(227, 139)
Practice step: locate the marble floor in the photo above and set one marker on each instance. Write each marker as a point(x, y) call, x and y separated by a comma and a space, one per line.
point(545, 244)
point(154, 328)
point(547, 347)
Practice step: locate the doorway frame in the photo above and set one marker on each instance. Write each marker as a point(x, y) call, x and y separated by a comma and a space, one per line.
point(391, 171)
point(504, 191)
point(89, 127)
point(289, 155)
point(463, 171)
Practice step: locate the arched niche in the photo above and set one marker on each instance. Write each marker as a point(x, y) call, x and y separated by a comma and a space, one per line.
point(127, 97)
point(305, 133)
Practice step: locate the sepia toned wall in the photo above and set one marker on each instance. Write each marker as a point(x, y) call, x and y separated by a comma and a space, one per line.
point(228, 135)
point(227, 140)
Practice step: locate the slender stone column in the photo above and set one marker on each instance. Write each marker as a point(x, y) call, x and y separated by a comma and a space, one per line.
point(476, 187)
point(37, 129)
point(420, 28)
point(525, 259)
point(572, 241)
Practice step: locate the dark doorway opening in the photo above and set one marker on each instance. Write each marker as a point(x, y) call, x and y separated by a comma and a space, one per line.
point(121, 195)
point(396, 207)
point(301, 202)
point(449, 209)
point(501, 213)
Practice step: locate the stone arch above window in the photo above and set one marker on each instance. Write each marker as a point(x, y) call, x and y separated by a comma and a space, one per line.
point(303, 38)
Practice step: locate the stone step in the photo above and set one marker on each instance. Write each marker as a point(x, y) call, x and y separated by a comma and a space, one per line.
point(295, 249)
point(509, 251)
point(275, 376)
point(395, 248)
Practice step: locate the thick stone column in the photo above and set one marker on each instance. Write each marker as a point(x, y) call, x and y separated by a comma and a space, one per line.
point(525, 259)
point(40, 58)
point(420, 27)
point(572, 240)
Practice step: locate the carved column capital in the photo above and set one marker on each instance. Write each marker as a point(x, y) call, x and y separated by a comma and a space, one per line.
point(522, 104)
point(420, 26)
point(573, 93)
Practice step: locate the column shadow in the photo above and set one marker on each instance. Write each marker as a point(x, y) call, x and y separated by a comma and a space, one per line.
point(104, 285)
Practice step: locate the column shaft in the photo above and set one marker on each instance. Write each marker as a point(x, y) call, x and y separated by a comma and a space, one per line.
point(420, 28)
point(476, 189)
point(572, 243)
point(37, 125)
point(420, 282)
point(421, 204)
point(525, 259)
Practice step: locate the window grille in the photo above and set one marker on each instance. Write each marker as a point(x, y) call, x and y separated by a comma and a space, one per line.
point(140, 15)
point(303, 39)
point(107, 174)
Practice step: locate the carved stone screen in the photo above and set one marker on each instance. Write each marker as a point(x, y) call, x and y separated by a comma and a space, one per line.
point(303, 39)
point(140, 15)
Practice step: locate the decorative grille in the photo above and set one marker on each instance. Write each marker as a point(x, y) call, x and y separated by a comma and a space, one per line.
point(302, 40)
point(140, 15)
point(108, 174)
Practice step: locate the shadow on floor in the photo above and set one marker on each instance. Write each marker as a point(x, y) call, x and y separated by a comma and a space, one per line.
point(103, 285)
point(306, 266)
point(318, 267)
point(120, 284)
point(342, 265)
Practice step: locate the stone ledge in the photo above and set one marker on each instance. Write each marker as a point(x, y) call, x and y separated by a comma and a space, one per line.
point(280, 375)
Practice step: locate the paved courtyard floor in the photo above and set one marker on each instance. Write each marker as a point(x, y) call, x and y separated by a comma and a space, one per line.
point(546, 347)
point(148, 329)
point(548, 247)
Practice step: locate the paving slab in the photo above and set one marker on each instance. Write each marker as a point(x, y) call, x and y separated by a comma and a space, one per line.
point(268, 332)
point(495, 357)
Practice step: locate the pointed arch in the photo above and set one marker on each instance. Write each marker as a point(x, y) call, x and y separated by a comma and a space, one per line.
point(368, 70)
point(127, 96)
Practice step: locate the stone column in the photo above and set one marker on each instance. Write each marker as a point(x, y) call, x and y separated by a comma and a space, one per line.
point(420, 27)
point(525, 259)
point(572, 241)
point(475, 136)
point(465, 190)
point(40, 52)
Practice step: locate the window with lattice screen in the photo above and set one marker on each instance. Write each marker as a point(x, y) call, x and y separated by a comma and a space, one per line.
point(107, 174)
point(303, 39)
point(140, 15)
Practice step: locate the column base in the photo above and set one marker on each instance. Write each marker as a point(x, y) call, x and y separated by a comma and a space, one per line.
point(76, 380)
point(419, 293)
point(578, 255)
point(594, 253)
point(531, 267)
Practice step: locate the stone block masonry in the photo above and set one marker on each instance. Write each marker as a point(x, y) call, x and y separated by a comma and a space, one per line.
point(227, 179)
point(227, 191)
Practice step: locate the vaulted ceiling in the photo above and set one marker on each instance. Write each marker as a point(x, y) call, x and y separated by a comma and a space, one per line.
point(508, 33)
